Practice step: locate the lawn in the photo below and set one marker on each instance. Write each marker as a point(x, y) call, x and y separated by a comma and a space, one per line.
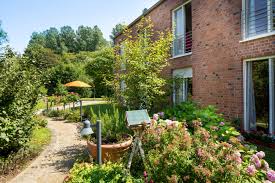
point(40, 138)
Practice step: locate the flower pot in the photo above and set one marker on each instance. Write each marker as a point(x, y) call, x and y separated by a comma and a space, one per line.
point(110, 152)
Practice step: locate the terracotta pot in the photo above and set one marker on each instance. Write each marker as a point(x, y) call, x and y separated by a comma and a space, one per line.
point(110, 152)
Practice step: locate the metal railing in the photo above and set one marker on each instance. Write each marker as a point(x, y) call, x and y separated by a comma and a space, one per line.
point(183, 44)
point(259, 21)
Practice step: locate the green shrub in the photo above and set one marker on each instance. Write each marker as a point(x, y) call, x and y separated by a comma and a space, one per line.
point(14, 133)
point(113, 120)
point(72, 115)
point(39, 138)
point(40, 121)
point(54, 113)
point(89, 173)
point(189, 111)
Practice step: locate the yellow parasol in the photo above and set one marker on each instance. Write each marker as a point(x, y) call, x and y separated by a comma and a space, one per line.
point(78, 84)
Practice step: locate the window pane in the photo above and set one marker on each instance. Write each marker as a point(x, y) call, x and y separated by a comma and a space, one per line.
point(188, 28)
point(178, 46)
point(260, 76)
point(179, 27)
point(257, 17)
point(273, 14)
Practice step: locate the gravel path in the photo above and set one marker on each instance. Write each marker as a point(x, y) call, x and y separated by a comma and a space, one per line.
point(53, 164)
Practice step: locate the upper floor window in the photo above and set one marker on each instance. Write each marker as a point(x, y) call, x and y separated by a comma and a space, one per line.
point(258, 17)
point(182, 29)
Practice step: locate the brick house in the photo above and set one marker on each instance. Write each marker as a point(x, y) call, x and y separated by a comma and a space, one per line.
point(224, 51)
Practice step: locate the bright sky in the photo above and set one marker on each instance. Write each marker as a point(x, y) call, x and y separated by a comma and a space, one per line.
point(22, 17)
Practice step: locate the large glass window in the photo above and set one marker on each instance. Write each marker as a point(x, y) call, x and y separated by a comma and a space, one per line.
point(182, 23)
point(260, 96)
point(258, 17)
point(182, 85)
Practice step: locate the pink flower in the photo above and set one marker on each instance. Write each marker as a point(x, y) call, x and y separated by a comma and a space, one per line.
point(251, 170)
point(267, 181)
point(266, 165)
point(145, 174)
point(222, 123)
point(156, 117)
point(169, 122)
point(270, 175)
point(260, 154)
point(238, 154)
point(258, 163)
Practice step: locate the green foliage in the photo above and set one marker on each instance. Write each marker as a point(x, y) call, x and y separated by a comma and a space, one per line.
point(68, 40)
point(3, 35)
point(40, 57)
point(72, 115)
point(116, 30)
point(100, 67)
point(144, 58)
point(189, 111)
point(39, 138)
point(61, 90)
point(87, 173)
point(40, 121)
point(14, 133)
point(18, 97)
point(112, 118)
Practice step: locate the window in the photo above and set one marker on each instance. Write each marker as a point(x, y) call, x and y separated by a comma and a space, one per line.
point(182, 85)
point(258, 17)
point(122, 85)
point(259, 96)
point(182, 24)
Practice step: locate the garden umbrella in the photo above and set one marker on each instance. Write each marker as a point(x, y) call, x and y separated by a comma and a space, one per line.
point(78, 84)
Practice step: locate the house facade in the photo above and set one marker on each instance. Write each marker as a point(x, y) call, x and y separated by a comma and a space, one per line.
point(224, 51)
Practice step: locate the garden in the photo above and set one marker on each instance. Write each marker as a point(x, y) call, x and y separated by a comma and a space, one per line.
point(180, 143)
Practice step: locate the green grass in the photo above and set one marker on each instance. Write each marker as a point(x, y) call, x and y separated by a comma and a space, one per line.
point(269, 155)
point(93, 99)
point(103, 108)
point(40, 137)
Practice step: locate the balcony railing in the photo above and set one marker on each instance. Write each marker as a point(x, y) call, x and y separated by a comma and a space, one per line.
point(183, 44)
point(260, 21)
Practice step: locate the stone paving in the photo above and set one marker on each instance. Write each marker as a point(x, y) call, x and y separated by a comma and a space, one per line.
point(53, 164)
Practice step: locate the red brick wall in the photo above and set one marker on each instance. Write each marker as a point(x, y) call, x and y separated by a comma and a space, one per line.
point(217, 53)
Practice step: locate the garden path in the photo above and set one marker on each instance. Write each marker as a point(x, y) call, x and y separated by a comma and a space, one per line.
point(54, 162)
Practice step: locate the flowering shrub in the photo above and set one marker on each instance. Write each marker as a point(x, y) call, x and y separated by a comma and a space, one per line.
point(173, 154)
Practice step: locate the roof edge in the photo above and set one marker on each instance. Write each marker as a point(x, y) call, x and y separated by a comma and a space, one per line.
point(138, 18)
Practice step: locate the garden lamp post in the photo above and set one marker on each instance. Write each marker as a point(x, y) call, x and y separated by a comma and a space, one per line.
point(87, 130)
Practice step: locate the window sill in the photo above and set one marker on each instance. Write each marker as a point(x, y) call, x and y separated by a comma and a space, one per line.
point(258, 37)
point(183, 55)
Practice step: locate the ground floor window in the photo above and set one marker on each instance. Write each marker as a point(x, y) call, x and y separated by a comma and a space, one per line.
point(182, 85)
point(259, 96)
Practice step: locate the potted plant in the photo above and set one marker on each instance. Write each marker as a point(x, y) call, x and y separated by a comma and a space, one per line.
point(116, 138)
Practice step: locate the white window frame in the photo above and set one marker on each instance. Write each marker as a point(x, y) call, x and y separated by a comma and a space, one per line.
point(173, 29)
point(271, 62)
point(184, 74)
point(269, 32)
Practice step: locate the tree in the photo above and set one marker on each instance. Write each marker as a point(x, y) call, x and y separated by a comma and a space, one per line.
point(116, 30)
point(37, 39)
point(42, 58)
point(68, 37)
point(144, 58)
point(100, 68)
point(89, 39)
point(3, 35)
